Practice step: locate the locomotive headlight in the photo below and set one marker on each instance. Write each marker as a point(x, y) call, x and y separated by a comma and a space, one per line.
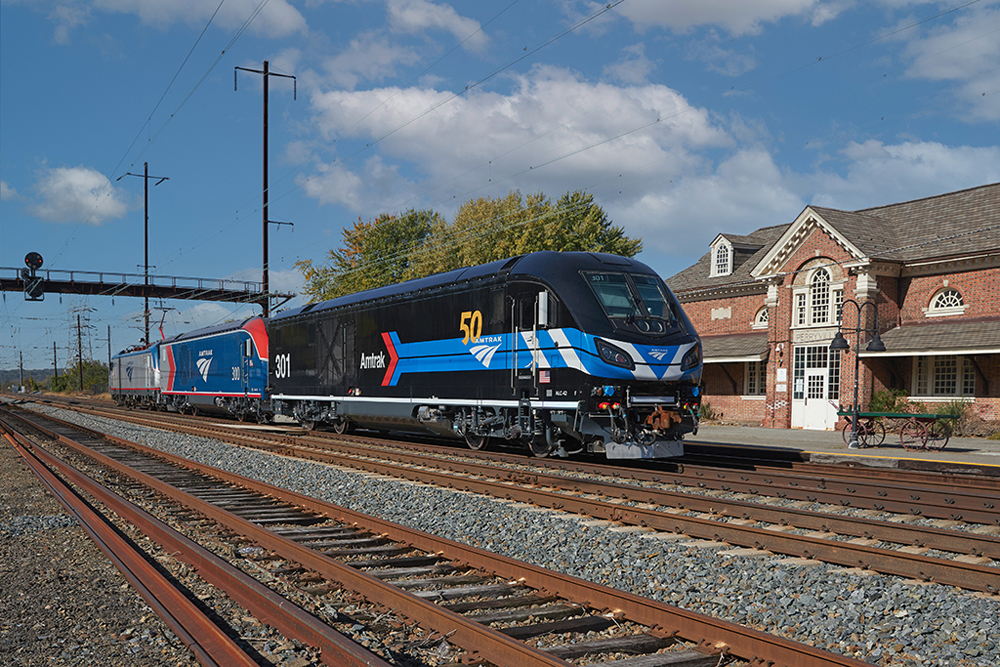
point(692, 358)
point(613, 355)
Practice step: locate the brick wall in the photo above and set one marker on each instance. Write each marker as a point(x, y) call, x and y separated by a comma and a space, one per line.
point(979, 291)
point(899, 301)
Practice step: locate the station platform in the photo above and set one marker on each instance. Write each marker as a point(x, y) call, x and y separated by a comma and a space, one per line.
point(829, 446)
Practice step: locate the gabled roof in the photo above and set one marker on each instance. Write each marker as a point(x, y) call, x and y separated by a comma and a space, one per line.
point(939, 227)
point(943, 226)
point(697, 276)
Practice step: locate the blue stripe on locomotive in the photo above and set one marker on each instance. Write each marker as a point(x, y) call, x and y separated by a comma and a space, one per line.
point(575, 349)
point(214, 365)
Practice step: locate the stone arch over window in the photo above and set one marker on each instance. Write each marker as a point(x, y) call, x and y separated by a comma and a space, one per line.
point(804, 274)
point(818, 293)
point(946, 301)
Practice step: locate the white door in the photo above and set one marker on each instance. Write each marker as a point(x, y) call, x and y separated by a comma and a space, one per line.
point(816, 388)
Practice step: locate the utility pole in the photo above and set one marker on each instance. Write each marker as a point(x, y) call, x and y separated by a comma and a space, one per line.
point(79, 349)
point(22, 368)
point(265, 288)
point(55, 366)
point(145, 196)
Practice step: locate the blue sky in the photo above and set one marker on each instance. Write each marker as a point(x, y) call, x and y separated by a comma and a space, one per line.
point(683, 120)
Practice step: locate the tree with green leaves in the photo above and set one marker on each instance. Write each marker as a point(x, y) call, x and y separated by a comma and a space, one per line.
point(488, 229)
point(95, 376)
point(374, 253)
point(421, 243)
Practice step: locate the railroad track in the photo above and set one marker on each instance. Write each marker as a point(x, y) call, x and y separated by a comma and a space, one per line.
point(449, 589)
point(927, 553)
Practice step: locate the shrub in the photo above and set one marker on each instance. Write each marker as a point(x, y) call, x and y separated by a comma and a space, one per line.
point(890, 400)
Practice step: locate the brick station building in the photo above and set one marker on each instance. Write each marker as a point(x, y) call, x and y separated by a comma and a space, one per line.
point(768, 304)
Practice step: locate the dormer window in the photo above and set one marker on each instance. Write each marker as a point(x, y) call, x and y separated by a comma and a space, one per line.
point(722, 259)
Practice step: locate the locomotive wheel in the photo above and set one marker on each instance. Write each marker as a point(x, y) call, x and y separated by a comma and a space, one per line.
point(242, 415)
point(342, 426)
point(307, 425)
point(476, 442)
point(540, 447)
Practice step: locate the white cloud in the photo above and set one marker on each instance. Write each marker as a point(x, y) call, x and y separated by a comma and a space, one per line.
point(77, 194)
point(744, 192)
point(552, 132)
point(633, 66)
point(738, 18)
point(410, 16)
point(8, 193)
point(67, 18)
point(966, 52)
point(878, 173)
point(278, 18)
point(367, 58)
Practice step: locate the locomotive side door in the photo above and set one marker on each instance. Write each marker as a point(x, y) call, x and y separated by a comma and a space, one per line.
point(530, 314)
point(245, 361)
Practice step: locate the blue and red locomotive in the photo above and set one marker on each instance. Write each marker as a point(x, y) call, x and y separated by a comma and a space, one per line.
point(563, 352)
point(220, 370)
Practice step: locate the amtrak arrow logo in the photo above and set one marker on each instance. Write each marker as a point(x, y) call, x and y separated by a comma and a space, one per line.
point(203, 365)
point(128, 372)
point(393, 359)
point(484, 353)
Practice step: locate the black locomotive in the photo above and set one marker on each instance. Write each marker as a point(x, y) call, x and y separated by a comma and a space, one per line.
point(565, 352)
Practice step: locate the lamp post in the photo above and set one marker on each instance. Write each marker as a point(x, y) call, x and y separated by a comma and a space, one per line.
point(840, 344)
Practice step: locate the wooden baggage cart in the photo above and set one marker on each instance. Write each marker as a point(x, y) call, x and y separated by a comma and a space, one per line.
point(916, 431)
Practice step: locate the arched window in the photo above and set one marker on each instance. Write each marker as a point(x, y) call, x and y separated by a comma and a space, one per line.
point(722, 265)
point(819, 297)
point(949, 299)
point(761, 319)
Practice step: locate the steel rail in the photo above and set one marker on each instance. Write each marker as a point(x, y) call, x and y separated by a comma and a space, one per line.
point(943, 571)
point(940, 498)
point(711, 634)
point(266, 605)
point(474, 637)
point(961, 495)
point(965, 575)
point(209, 643)
point(936, 538)
point(864, 488)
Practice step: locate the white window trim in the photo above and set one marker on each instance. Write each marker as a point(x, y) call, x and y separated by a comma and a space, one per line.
point(757, 323)
point(714, 268)
point(937, 398)
point(931, 311)
point(746, 379)
point(806, 290)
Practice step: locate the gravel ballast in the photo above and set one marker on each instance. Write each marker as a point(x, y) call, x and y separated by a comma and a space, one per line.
point(881, 619)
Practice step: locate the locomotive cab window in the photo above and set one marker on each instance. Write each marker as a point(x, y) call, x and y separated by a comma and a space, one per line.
point(654, 300)
point(633, 302)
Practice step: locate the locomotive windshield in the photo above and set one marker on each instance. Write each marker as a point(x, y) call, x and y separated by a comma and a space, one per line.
point(633, 301)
